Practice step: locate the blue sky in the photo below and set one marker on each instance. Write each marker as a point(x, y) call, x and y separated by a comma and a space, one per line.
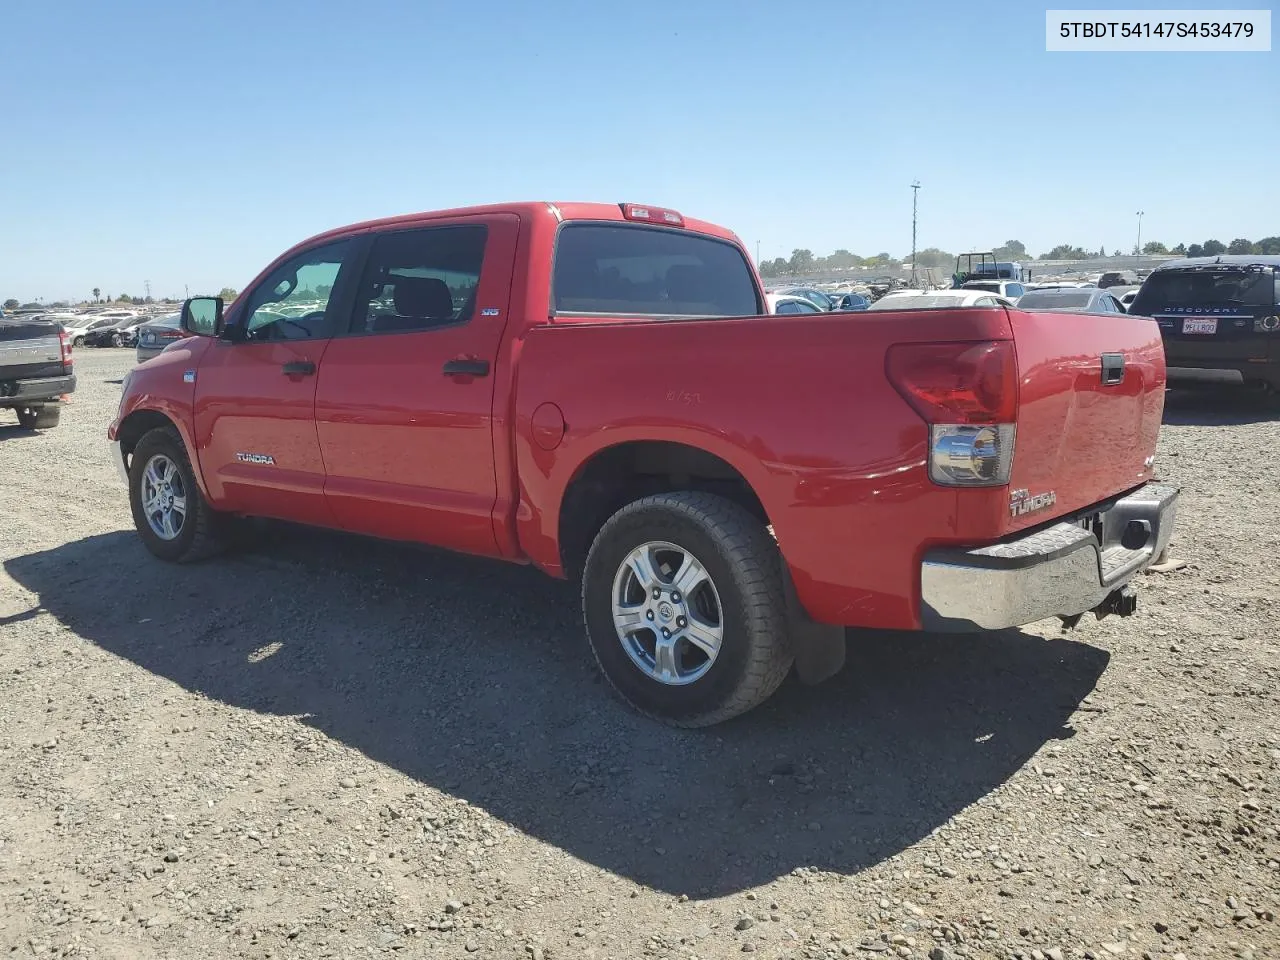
point(189, 143)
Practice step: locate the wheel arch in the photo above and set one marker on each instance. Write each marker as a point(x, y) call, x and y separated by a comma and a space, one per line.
point(621, 473)
point(142, 421)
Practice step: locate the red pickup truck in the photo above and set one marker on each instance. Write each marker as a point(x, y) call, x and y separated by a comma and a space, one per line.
point(596, 389)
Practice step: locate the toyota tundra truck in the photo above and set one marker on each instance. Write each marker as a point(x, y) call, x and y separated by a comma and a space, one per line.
point(598, 390)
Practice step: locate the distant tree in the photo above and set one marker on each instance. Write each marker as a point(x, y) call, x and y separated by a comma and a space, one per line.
point(843, 260)
point(1153, 247)
point(11, 304)
point(935, 258)
point(1269, 245)
point(228, 294)
point(1214, 247)
point(801, 261)
point(96, 294)
point(768, 269)
point(1195, 250)
point(1118, 253)
point(1011, 250)
point(124, 298)
point(1065, 251)
point(1180, 250)
point(33, 305)
point(1240, 245)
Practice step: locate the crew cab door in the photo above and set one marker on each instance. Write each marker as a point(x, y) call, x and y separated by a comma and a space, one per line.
point(404, 405)
point(255, 390)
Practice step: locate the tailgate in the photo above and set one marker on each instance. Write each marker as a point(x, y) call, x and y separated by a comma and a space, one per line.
point(1090, 400)
point(29, 349)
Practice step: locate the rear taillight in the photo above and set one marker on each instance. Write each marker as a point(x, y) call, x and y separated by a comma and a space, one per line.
point(64, 347)
point(1266, 324)
point(968, 394)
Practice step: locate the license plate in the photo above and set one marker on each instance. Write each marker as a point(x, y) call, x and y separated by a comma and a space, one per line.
point(1209, 325)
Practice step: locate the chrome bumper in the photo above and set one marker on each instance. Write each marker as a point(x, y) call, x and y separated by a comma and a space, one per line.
point(117, 456)
point(1065, 569)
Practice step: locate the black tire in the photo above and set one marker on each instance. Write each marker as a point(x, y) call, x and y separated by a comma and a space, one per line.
point(203, 532)
point(77, 342)
point(117, 340)
point(745, 567)
point(43, 416)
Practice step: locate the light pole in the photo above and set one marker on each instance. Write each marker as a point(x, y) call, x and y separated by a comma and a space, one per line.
point(757, 253)
point(915, 193)
point(1138, 249)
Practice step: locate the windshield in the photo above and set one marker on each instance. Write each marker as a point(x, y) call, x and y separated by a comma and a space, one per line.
point(630, 270)
point(1205, 288)
point(990, 286)
point(1055, 299)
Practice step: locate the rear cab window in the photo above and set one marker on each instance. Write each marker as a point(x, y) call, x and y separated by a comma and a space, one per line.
point(629, 270)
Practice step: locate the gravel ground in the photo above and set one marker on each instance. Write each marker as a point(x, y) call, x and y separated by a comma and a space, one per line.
point(330, 748)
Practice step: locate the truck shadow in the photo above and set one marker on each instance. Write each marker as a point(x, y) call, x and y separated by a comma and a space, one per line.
point(1221, 406)
point(472, 677)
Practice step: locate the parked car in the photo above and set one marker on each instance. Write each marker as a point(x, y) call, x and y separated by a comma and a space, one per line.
point(475, 389)
point(939, 299)
point(812, 294)
point(852, 301)
point(1078, 300)
point(786, 303)
point(157, 334)
point(35, 370)
point(1119, 278)
point(1126, 299)
point(1011, 290)
point(110, 334)
point(80, 327)
point(1219, 317)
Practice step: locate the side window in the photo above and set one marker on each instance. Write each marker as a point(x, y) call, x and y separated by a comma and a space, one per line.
point(788, 306)
point(808, 307)
point(294, 302)
point(420, 279)
point(1013, 290)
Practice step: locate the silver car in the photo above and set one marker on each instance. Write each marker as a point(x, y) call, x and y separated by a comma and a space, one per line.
point(154, 336)
point(1073, 300)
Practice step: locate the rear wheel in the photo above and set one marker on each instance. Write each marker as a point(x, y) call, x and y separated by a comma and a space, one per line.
point(77, 342)
point(39, 417)
point(170, 513)
point(685, 608)
point(117, 340)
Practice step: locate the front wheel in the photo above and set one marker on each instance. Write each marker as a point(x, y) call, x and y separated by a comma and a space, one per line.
point(117, 340)
point(685, 608)
point(170, 513)
point(77, 342)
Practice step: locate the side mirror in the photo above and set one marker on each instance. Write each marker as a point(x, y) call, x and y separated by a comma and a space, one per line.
point(202, 316)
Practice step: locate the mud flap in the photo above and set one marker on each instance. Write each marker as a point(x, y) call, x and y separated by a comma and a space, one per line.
point(819, 648)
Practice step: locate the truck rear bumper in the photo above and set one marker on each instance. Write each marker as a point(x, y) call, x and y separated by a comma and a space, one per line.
point(1068, 568)
point(13, 392)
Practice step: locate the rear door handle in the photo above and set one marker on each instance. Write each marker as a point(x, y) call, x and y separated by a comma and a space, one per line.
point(299, 368)
point(466, 368)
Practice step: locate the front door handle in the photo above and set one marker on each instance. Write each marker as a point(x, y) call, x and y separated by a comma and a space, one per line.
point(299, 368)
point(466, 368)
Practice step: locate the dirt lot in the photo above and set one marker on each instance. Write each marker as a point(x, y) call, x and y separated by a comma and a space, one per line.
point(331, 748)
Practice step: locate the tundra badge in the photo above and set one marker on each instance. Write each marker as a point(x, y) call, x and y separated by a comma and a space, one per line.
point(262, 459)
point(1021, 502)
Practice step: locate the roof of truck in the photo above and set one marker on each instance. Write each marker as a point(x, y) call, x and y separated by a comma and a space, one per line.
point(533, 209)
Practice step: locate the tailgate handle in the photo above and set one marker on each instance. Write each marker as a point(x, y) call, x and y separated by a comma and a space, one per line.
point(1112, 368)
point(466, 368)
point(299, 368)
